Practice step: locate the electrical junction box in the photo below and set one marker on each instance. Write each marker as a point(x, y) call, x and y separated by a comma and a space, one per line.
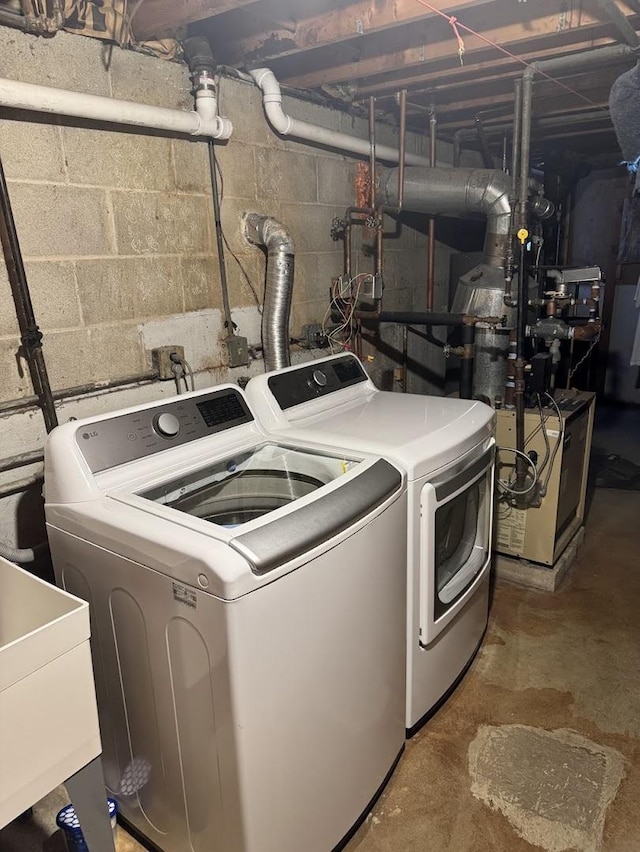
point(161, 360)
point(540, 534)
point(238, 349)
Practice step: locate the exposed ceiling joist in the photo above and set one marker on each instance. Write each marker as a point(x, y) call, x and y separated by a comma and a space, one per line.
point(163, 17)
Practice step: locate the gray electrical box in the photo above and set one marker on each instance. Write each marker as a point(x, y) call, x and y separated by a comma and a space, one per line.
point(238, 349)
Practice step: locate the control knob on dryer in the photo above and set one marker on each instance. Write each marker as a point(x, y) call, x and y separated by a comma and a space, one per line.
point(318, 378)
point(166, 424)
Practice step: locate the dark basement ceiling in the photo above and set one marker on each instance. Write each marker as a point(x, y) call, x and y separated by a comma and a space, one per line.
point(350, 50)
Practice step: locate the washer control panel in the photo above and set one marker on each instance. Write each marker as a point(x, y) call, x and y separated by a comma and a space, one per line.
point(127, 437)
point(311, 381)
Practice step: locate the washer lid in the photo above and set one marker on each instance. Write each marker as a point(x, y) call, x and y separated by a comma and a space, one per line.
point(248, 497)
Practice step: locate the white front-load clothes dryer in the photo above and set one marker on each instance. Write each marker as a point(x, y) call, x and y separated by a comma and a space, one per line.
point(446, 447)
point(247, 599)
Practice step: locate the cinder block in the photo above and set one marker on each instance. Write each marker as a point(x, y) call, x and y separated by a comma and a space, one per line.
point(200, 333)
point(31, 150)
point(8, 321)
point(191, 165)
point(118, 159)
point(312, 113)
point(241, 291)
point(54, 294)
point(60, 221)
point(238, 170)
point(310, 225)
point(285, 176)
point(66, 61)
point(149, 80)
point(336, 181)
point(201, 283)
point(313, 273)
point(93, 354)
point(14, 376)
point(113, 289)
point(161, 223)
point(242, 103)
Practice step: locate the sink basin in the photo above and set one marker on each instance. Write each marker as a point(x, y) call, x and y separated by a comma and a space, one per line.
point(49, 721)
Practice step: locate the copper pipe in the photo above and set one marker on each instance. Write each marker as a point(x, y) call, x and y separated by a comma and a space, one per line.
point(372, 149)
point(431, 233)
point(587, 331)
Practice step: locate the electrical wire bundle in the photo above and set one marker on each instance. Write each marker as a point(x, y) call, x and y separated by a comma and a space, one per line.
point(340, 335)
point(508, 492)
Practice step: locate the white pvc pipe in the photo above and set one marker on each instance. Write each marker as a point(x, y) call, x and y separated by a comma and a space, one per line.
point(287, 126)
point(204, 121)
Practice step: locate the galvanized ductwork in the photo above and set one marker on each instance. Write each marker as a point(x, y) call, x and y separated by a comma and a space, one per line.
point(267, 232)
point(458, 192)
point(452, 192)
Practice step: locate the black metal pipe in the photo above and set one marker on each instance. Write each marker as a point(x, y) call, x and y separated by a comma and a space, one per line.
point(21, 460)
point(30, 334)
point(525, 146)
point(466, 362)
point(515, 140)
point(521, 332)
point(217, 216)
point(487, 156)
point(79, 390)
point(417, 318)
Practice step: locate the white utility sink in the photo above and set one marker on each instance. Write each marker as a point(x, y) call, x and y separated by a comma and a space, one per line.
point(48, 716)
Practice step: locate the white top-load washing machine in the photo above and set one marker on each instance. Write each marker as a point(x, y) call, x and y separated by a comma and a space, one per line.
point(248, 598)
point(446, 447)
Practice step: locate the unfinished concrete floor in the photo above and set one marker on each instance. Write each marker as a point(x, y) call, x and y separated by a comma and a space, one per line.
point(539, 746)
point(541, 740)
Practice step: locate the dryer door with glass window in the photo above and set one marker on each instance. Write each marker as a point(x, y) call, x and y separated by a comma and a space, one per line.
point(455, 542)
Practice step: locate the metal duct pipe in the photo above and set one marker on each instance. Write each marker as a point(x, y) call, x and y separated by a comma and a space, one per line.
point(267, 232)
point(454, 192)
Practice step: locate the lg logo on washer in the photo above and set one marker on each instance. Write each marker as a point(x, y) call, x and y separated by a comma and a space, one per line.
point(87, 435)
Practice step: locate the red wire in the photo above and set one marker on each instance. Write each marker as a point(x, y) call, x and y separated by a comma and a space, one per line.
point(455, 24)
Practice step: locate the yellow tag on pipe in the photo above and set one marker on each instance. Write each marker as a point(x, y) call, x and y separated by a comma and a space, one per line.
point(522, 235)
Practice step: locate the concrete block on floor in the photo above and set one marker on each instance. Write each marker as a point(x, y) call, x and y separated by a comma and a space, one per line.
point(534, 576)
point(161, 223)
point(61, 221)
point(121, 159)
point(31, 150)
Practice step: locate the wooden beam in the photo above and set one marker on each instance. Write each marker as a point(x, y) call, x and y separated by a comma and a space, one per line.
point(359, 19)
point(542, 31)
point(418, 63)
point(157, 18)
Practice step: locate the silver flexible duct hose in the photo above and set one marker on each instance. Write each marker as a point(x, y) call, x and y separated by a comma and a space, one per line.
point(452, 192)
point(268, 232)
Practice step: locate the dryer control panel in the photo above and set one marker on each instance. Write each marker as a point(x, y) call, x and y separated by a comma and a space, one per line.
point(127, 437)
point(311, 381)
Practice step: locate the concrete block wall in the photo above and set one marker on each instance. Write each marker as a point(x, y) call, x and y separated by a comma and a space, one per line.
point(116, 228)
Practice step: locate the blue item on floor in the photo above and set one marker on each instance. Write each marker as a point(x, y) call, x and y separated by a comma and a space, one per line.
point(68, 821)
